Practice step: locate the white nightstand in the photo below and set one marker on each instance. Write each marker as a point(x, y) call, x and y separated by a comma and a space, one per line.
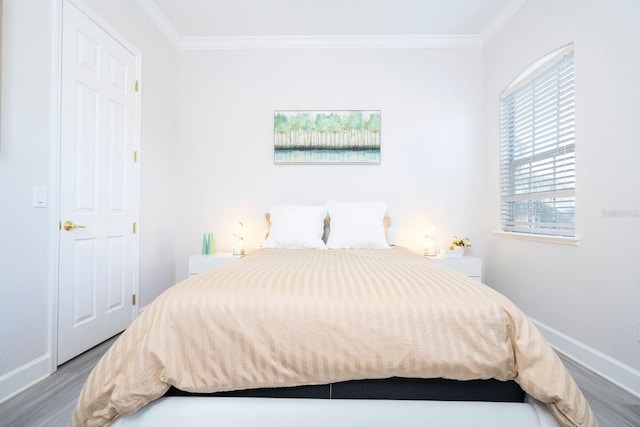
point(467, 265)
point(201, 263)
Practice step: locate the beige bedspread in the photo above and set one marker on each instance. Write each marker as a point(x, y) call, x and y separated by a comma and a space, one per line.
point(290, 317)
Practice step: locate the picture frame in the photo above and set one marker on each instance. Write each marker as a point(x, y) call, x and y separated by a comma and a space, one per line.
point(327, 137)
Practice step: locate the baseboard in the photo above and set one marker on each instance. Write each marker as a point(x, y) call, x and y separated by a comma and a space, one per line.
point(612, 370)
point(25, 376)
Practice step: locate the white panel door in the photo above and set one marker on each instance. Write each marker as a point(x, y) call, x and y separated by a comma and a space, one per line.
point(98, 194)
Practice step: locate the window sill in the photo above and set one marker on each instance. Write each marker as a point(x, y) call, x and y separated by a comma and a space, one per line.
point(559, 240)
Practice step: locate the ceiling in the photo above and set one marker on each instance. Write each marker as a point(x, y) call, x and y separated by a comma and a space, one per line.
point(189, 21)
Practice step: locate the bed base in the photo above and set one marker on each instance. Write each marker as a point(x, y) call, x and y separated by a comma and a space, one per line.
point(395, 388)
point(268, 412)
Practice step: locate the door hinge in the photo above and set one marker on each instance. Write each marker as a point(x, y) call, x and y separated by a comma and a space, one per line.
point(137, 86)
point(135, 227)
point(133, 299)
point(135, 156)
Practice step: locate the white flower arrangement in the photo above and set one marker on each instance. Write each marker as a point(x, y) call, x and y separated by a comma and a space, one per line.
point(461, 242)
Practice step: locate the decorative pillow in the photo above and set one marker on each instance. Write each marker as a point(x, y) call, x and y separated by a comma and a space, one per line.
point(357, 225)
point(296, 227)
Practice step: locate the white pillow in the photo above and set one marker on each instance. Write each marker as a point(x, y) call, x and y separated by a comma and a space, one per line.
point(357, 225)
point(296, 227)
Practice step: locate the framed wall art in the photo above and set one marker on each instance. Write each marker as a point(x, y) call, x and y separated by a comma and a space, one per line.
point(327, 137)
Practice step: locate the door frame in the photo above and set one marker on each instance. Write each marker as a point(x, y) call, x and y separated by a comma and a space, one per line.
point(56, 141)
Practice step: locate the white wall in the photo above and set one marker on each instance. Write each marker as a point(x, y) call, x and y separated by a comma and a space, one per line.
point(432, 156)
point(590, 293)
point(25, 138)
point(27, 124)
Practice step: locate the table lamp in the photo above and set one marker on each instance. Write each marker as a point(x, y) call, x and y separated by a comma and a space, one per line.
point(238, 247)
point(429, 242)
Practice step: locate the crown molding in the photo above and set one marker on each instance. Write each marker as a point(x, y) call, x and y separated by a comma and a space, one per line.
point(472, 41)
point(160, 20)
point(503, 16)
point(331, 42)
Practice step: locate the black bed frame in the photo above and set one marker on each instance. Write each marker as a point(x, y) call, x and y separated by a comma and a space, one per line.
point(390, 388)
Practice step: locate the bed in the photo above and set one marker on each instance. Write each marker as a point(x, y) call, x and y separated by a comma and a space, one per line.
point(285, 318)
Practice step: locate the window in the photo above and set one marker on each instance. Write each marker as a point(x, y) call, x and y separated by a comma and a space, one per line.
point(537, 149)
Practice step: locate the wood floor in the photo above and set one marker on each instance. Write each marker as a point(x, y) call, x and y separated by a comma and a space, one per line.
point(50, 402)
point(612, 406)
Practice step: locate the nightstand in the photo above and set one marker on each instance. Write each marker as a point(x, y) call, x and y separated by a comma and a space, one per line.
point(201, 263)
point(467, 265)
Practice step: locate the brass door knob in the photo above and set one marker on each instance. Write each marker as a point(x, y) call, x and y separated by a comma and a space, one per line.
point(69, 225)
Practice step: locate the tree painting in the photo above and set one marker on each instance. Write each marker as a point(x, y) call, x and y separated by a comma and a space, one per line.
point(327, 137)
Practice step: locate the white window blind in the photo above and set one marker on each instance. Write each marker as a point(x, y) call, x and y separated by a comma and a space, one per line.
point(537, 149)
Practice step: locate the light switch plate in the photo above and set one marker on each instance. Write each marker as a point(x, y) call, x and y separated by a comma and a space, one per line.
point(39, 197)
